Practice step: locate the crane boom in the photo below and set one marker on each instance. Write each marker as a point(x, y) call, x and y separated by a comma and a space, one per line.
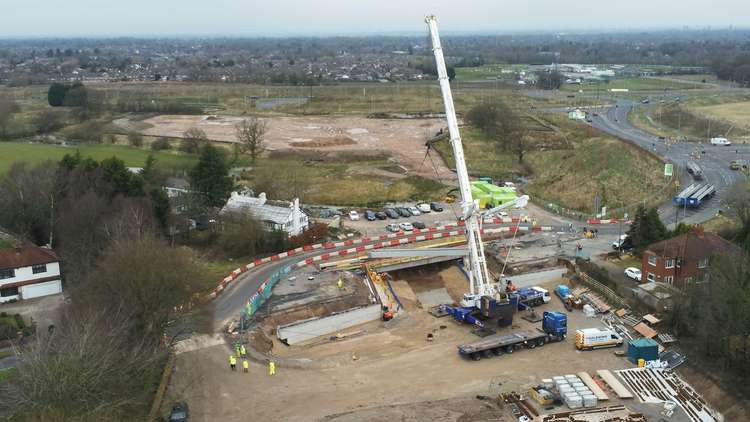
point(479, 275)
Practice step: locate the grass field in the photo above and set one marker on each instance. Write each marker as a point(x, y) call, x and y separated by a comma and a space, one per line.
point(488, 71)
point(11, 152)
point(737, 113)
point(569, 174)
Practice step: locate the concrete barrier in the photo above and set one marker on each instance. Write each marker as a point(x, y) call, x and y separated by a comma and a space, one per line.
point(308, 329)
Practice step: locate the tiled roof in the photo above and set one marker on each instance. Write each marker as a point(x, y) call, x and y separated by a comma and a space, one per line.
point(694, 246)
point(26, 257)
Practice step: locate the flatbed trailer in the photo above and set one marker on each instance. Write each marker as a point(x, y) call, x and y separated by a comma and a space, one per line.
point(555, 328)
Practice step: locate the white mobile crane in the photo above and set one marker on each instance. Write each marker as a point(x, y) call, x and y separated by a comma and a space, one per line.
point(480, 283)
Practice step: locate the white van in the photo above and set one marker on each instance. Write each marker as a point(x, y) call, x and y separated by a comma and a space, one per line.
point(597, 338)
point(720, 141)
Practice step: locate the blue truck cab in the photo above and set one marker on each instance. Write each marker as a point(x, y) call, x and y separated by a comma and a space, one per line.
point(555, 324)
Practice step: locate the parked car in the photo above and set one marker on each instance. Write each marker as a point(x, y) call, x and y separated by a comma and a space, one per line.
point(369, 215)
point(407, 227)
point(418, 225)
point(391, 213)
point(380, 215)
point(436, 207)
point(393, 227)
point(414, 211)
point(353, 215)
point(403, 212)
point(633, 273)
point(424, 208)
point(179, 412)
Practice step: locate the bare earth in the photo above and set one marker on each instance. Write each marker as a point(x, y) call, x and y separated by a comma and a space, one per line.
point(394, 365)
point(403, 139)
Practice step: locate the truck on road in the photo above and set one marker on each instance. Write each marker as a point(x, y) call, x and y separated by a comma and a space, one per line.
point(554, 328)
point(597, 338)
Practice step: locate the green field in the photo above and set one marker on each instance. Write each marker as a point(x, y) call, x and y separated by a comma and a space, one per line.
point(488, 71)
point(11, 152)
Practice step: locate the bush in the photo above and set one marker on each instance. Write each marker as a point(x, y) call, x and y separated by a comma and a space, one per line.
point(19, 321)
point(135, 139)
point(161, 144)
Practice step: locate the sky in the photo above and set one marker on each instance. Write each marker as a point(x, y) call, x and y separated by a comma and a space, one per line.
point(40, 18)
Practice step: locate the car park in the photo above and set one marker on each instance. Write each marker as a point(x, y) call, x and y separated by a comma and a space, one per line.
point(353, 215)
point(391, 213)
point(418, 225)
point(403, 212)
point(414, 211)
point(370, 216)
point(633, 273)
point(393, 227)
point(436, 207)
point(424, 208)
point(380, 215)
point(407, 227)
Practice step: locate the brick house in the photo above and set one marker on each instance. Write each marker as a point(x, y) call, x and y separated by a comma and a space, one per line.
point(28, 272)
point(683, 259)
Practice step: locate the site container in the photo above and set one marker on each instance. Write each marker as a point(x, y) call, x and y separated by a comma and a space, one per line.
point(589, 400)
point(643, 348)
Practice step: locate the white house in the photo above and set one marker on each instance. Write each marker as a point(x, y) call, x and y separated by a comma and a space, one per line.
point(276, 215)
point(28, 272)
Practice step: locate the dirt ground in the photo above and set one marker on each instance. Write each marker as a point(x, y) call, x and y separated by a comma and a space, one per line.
point(391, 364)
point(401, 138)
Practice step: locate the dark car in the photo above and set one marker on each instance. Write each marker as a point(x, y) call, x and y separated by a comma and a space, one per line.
point(380, 215)
point(436, 207)
point(370, 216)
point(403, 212)
point(391, 213)
point(179, 412)
point(418, 225)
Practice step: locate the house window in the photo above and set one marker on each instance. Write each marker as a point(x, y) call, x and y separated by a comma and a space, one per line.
point(703, 263)
point(36, 269)
point(669, 263)
point(7, 273)
point(651, 277)
point(669, 279)
point(10, 291)
point(652, 260)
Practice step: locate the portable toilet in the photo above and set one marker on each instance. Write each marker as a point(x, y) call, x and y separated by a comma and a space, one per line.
point(643, 348)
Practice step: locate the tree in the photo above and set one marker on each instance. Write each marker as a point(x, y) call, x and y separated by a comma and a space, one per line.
point(27, 199)
point(646, 228)
point(76, 95)
point(738, 206)
point(48, 121)
point(135, 139)
point(161, 144)
point(283, 181)
point(8, 107)
point(56, 94)
point(193, 140)
point(250, 133)
point(549, 80)
point(501, 124)
point(210, 178)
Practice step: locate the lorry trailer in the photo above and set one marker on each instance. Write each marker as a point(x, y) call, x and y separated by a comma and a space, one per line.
point(554, 328)
point(704, 193)
point(685, 194)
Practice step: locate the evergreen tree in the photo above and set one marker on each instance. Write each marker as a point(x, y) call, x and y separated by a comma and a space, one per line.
point(210, 177)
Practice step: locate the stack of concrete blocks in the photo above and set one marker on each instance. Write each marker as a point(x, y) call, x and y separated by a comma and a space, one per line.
point(574, 392)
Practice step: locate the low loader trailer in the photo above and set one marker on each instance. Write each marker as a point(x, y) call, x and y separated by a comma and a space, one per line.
point(554, 328)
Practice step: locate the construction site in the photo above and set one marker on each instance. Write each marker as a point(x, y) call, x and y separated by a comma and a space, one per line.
point(492, 318)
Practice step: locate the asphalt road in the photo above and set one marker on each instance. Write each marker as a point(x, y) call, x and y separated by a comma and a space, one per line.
point(714, 161)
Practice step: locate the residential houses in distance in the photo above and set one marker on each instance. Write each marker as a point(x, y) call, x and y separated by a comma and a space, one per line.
point(28, 272)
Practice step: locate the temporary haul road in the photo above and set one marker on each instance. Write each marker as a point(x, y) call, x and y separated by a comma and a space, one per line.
point(229, 302)
point(715, 161)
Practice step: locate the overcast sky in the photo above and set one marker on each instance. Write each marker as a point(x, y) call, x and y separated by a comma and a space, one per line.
point(351, 17)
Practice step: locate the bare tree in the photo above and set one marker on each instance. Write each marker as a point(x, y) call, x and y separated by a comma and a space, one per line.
point(8, 107)
point(250, 135)
point(502, 124)
point(194, 140)
point(738, 206)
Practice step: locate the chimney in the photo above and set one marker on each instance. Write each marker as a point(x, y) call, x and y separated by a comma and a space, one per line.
point(262, 198)
point(18, 251)
point(698, 230)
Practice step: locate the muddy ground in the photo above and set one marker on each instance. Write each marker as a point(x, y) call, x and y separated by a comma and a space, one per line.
point(403, 139)
point(389, 365)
